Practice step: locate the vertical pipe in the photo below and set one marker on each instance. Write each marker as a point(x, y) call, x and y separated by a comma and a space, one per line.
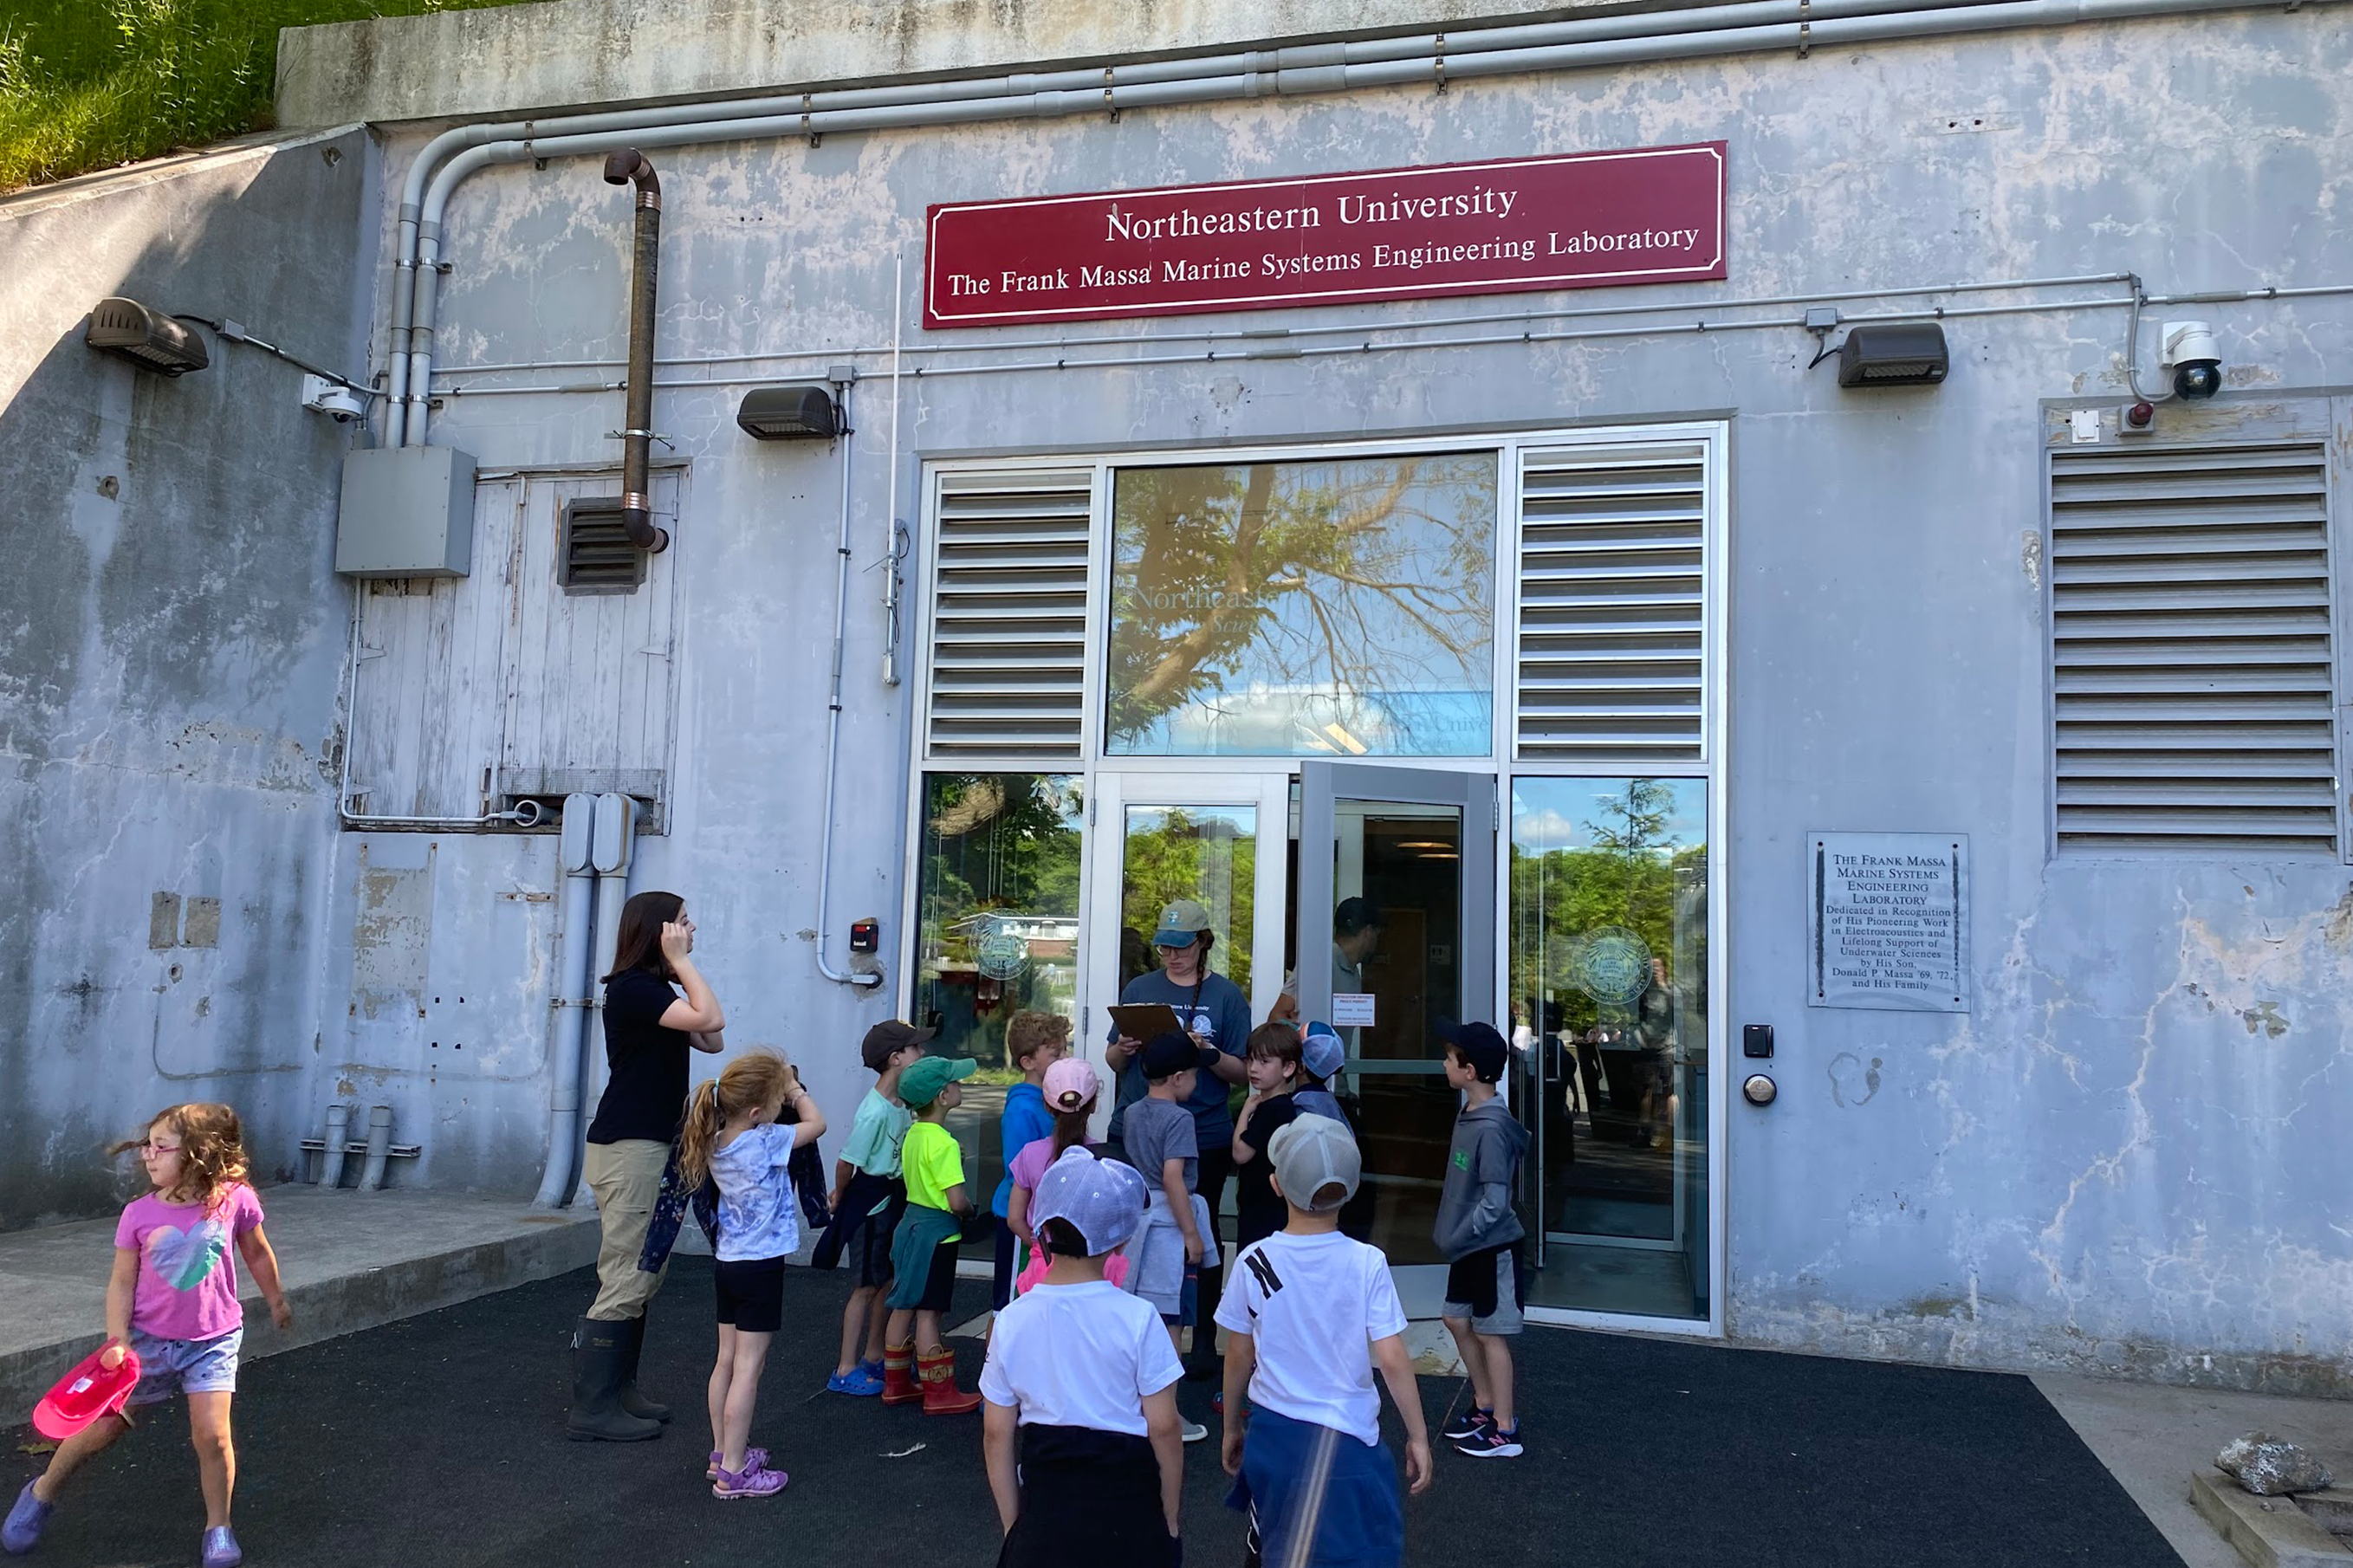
point(379, 1147)
point(891, 506)
point(833, 715)
point(575, 949)
point(624, 167)
point(339, 1133)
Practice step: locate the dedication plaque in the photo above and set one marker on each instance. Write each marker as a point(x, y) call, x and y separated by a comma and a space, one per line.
point(1889, 920)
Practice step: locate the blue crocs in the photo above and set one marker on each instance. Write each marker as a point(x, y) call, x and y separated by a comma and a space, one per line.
point(221, 1550)
point(27, 1519)
point(857, 1381)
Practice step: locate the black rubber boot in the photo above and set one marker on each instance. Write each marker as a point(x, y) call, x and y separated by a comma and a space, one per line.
point(599, 1352)
point(636, 1404)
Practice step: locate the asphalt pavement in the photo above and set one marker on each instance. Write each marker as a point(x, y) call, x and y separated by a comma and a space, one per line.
point(439, 1440)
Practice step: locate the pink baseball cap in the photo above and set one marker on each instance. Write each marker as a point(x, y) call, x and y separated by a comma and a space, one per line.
point(1070, 1083)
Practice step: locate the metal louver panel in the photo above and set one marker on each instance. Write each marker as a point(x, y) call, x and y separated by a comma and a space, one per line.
point(596, 555)
point(1009, 613)
point(2191, 684)
point(1612, 573)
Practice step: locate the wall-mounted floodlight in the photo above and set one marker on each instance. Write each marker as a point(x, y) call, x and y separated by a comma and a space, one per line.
point(1893, 354)
point(789, 414)
point(148, 339)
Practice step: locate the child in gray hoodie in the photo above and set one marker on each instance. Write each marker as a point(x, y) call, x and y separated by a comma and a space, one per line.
point(1479, 1232)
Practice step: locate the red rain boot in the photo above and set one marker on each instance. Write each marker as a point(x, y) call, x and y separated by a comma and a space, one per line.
point(899, 1385)
point(941, 1395)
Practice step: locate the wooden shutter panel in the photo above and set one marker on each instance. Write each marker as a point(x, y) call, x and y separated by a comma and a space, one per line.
point(1612, 573)
point(1009, 614)
point(2191, 668)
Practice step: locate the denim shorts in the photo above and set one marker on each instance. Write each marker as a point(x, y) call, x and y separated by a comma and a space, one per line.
point(167, 1367)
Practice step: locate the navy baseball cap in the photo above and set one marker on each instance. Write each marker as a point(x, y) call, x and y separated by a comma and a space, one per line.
point(1481, 1046)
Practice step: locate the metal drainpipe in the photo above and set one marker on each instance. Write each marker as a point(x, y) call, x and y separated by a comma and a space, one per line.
point(1399, 60)
point(330, 1158)
point(379, 1147)
point(860, 977)
point(609, 850)
point(576, 947)
point(628, 166)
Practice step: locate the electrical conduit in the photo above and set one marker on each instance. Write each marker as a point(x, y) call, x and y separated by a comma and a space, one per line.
point(860, 977)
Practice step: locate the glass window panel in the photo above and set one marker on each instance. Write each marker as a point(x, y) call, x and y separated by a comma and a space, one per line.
point(1334, 607)
point(997, 900)
point(1206, 853)
point(1609, 933)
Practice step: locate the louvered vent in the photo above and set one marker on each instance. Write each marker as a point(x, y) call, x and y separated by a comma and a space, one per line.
point(1010, 613)
point(1612, 583)
point(595, 554)
point(2190, 649)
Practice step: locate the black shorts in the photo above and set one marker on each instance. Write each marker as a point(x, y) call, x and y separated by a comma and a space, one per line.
point(939, 1280)
point(869, 1244)
point(1488, 1287)
point(752, 1295)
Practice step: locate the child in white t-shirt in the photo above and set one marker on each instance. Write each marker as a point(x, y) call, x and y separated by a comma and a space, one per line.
point(1082, 1378)
point(1308, 1314)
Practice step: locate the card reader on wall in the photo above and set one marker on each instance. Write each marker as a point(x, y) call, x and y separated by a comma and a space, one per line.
point(1757, 1039)
point(865, 936)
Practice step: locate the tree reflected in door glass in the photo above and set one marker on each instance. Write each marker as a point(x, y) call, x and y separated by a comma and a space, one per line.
point(1278, 609)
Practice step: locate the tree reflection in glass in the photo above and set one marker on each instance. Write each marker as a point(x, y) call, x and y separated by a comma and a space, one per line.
point(1276, 609)
point(996, 905)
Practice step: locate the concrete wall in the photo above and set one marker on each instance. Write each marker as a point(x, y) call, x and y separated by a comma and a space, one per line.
point(171, 646)
point(2105, 1165)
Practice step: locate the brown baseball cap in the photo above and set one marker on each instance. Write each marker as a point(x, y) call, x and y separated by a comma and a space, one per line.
point(887, 1039)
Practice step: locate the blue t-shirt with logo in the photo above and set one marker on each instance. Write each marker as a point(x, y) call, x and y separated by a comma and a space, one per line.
point(1220, 1016)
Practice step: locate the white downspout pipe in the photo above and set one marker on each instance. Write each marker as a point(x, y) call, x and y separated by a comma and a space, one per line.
point(616, 836)
point(1760, 25)
point(859, 977)
point(576, 945)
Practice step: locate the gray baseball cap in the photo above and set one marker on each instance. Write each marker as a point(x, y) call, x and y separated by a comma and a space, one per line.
point(1311, 1155)
point(1103, 1200)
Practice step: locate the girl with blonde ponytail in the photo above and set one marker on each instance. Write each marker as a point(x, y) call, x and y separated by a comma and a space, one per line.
point(732, 1135)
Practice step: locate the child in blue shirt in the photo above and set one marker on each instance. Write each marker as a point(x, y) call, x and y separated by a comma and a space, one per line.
point(1033, 1042)
point(732, 1134)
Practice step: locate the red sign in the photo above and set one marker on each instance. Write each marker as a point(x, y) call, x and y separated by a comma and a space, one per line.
point(1580, 220)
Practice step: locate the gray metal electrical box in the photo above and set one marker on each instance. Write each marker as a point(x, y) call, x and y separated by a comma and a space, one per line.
point(407, 511)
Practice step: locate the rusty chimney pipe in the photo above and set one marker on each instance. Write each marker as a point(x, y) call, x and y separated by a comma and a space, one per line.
point(629, 166)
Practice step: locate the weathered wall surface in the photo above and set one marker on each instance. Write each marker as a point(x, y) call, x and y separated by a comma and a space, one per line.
point(170, 643)
point(2126, 1156)
point(517, 59)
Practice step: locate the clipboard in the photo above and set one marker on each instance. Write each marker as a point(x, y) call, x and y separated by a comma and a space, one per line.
point(1141, 1020)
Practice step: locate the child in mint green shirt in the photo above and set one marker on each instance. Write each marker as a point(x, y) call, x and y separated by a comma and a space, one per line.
point(867, 1200)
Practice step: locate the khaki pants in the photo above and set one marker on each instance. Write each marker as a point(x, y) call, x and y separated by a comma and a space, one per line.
point(626, 1177)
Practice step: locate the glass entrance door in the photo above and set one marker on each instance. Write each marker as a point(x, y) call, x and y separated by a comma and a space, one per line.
point(1394, 935)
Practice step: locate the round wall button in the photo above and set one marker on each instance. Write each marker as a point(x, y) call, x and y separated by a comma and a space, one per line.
point(1759, 1089)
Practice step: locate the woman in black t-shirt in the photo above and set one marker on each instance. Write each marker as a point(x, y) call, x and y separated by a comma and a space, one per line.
point(649, 1031)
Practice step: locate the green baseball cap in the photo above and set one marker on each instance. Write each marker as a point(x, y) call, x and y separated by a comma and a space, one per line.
point(1180, 922)
point(921, 1082)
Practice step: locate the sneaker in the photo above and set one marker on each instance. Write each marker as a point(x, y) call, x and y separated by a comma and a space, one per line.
point(754, 1460)
point(221, 1550)
point(1492, 1442)
point(756, 1480)
point(857, 1381)
point(27, 1519)
point(1192, 1431)
point(1469, 1423)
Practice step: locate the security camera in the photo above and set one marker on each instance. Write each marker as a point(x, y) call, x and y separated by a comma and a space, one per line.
point(338, 401)
point(2188, 349)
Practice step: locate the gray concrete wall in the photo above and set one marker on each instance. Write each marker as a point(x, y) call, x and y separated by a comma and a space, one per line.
point(171, 646)
point(2103, 1166)
point(512, 59)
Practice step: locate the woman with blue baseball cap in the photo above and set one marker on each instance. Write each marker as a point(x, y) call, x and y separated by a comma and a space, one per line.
point(1213, 1010)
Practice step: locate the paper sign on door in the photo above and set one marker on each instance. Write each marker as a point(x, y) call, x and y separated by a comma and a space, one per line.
point(1351, 1009)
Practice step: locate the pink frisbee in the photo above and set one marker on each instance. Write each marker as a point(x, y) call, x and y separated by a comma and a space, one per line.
point(85, 1393)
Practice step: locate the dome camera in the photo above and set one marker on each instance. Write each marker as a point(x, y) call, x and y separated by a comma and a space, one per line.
point(2190, 351)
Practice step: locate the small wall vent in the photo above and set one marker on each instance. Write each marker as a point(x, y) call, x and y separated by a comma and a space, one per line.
point(595, 555)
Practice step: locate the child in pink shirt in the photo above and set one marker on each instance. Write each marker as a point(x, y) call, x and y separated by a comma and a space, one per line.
point(171, 1301)
point(1070, 1090)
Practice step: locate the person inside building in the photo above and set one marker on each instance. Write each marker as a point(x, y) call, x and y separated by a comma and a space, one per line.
point(649, 1030)
point(1213, 1010)
point(1356, 934)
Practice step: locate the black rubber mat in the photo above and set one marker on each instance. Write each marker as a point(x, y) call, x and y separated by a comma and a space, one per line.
point(439, 1441)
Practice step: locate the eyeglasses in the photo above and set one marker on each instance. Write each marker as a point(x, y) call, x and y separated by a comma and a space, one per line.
point(149, 1146)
